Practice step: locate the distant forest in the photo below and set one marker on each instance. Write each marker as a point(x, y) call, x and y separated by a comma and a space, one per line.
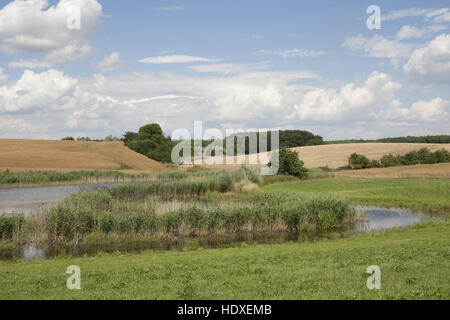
point(150, 141)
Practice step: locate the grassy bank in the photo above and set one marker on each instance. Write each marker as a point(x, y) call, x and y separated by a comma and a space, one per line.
point(428, 195)
point(414, 264)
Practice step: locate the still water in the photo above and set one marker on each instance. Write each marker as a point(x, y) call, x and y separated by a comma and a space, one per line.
point(30, 200)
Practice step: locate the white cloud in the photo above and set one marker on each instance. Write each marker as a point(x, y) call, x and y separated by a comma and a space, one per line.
point(379, 47)
point(61, 105)
point(110, 62)
point(175, 59)
point(68, 53)
point(432, 62)
point(71, 52)
point(34, 26)
point(292, 53)
point(349, 101)
point(435, 110)
point(432, 15)
point(441, 15)
point(50, 90)
point(405, 13)
point(411, 32)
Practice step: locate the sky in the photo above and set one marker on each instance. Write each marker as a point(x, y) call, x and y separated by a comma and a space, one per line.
point(95, 68)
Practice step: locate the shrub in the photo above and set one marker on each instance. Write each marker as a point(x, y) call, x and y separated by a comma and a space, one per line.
point(358, 161)
point(389, 160)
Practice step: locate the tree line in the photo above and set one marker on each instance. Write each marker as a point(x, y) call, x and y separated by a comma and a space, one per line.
point(422, 156)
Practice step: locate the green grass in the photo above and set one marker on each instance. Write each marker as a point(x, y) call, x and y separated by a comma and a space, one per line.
point(428, 195)
point(414, 264)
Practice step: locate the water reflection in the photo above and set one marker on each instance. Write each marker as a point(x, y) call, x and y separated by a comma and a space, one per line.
point(384, 218)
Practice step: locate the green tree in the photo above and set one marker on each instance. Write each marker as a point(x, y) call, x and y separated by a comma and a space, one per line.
point(152, 132)
point(358, 161)
point(290, 164)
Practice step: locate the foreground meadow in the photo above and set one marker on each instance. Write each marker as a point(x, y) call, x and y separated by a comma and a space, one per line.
point(414, 262)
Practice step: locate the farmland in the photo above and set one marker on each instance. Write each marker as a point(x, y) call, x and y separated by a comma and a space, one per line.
point(336, 155)
point(19, 155)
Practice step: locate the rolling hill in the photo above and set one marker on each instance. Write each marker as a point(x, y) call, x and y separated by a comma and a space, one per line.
point(19, 155)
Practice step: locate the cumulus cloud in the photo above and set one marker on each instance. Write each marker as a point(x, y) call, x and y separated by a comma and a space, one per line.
point(349, 101)
point(110, 62)
point(34, 26)
point(50, 90)
point(435, 110)
point(112, 104)
point(175, 59)
point(432, 62)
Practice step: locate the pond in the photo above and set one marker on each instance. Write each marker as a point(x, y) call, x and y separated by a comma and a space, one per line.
point(29, 200)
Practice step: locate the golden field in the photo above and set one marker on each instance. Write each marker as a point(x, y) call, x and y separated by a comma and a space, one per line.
point(336, 155)
point(19, 155)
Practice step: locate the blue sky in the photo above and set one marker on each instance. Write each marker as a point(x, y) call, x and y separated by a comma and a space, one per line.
point(232, 64)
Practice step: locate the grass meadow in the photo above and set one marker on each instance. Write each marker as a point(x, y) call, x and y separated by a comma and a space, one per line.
point(414, 263)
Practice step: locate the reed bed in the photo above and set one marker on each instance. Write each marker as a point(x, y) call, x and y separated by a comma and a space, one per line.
point(97, 212)
point(181, 208)
point(90, 176)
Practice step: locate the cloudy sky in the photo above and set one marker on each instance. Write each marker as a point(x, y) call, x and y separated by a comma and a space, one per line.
point(232, 64)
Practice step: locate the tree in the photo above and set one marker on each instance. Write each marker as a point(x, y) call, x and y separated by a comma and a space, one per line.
point(151, 131)
point(290, 164)
point(129, 136)
point(358, 161)
point(68, 139)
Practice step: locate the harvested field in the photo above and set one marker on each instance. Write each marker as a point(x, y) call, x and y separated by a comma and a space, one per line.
point(336, 155)
point(439, 170)
point(23, 155)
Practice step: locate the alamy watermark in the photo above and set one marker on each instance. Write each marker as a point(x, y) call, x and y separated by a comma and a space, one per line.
point(74, 281)
point(255, 152)
point(374, 281)
point(374, 20)
point(73, 21)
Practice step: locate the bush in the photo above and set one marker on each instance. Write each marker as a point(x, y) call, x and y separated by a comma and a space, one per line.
point(358, 161)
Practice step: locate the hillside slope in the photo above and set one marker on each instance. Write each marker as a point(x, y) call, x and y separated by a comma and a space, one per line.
point(336, 155)
point(23, 155)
